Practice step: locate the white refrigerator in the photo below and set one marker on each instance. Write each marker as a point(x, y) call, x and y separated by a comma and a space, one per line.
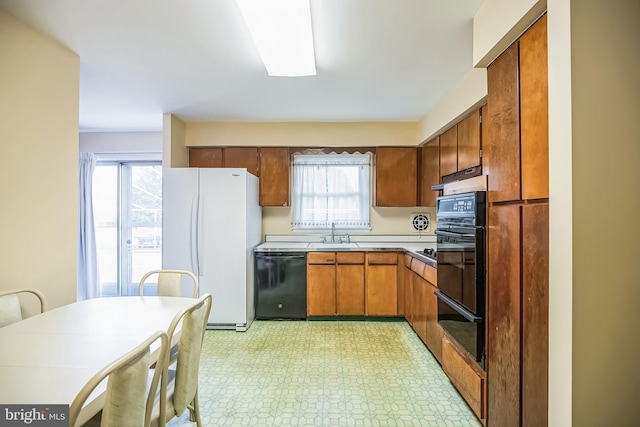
point(211, 222)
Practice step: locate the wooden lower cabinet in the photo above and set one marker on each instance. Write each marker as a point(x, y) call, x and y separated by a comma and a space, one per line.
point(465, 376)
point(382, 284)
point(503, 315)
point(321, 284)
point(350, 284)
point(420, 300)
point(517, 315)
point(535, 314)
point(434, 330)
point(408, 295)
point(421, 305)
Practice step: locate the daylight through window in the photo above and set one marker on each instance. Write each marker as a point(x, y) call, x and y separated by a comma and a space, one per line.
point(331, 189)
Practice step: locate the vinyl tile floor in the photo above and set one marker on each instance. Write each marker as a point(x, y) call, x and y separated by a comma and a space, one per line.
point(324, 373)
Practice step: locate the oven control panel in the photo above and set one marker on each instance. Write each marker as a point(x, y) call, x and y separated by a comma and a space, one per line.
point(466, 208)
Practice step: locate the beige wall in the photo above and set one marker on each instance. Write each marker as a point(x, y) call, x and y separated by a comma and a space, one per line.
point(384, 221)
point(308, 134)
point(175, 153)
point(606, 155)
point(560, 214)
point(468, 93)
point(39, 89)
point(498, 23)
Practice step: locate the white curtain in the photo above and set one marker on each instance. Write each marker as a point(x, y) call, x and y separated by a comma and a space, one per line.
point(331, 189)
point(88, 283)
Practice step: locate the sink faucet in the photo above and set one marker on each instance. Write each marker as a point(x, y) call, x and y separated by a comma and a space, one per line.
point(333, 232)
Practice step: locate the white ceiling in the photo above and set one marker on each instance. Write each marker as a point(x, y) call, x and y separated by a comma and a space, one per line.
point(377, 60)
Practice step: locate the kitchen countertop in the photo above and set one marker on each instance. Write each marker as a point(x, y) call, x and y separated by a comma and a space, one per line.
point(413, 248)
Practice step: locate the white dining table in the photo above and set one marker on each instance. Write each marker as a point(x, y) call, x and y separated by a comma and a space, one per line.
point(48, 358)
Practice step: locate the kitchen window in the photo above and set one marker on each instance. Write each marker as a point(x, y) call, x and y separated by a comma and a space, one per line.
point(331, 189)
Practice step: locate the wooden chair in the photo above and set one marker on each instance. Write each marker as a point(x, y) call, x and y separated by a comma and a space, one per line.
point(129, 398)
point(179, 387)
point(10, 310)
point(170, 282)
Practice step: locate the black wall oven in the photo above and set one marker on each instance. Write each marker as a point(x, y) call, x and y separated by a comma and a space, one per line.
point(460, 251)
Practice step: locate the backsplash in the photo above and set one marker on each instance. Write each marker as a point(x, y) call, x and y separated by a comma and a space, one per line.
point(384, 221)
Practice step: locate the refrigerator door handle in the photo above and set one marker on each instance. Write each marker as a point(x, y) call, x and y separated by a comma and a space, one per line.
point(193, 238)
point(199, 233)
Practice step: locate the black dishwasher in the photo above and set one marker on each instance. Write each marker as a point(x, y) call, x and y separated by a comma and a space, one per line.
point(281, 285)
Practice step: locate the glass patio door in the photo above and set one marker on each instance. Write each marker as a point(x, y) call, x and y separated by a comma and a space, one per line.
point(127, 199)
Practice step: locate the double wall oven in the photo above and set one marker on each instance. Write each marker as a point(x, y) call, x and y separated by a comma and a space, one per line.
point(460, 251)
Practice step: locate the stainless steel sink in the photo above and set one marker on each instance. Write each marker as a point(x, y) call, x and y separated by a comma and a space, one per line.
point(336, 246)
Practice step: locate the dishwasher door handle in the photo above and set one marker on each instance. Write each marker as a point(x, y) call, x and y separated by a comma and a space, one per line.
point(285, 257)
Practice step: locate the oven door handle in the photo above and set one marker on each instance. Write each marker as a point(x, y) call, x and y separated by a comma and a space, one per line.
point(450, 234)
point(457, 307)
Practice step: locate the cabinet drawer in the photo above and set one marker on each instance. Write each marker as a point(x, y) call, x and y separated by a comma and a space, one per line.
point(407, 260)
point(469, 382)
point(321, 258)
point(417, 266)
point(430, 275)
point(350, 257)
point(382, 258)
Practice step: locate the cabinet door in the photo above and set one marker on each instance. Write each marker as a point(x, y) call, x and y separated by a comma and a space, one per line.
point(430, 174)
point(535, 314)
point(321, 290)
point(381, 290)
point(434, 330)
point(396, 176)
point(534, 111)
point(408, 296)
point(503, 316)
point(464, 377)
point(420, 298)
point(449, 151)
point(502, 151)
point(205, 157)
point(274, 176)
point(401, 282)
point(469, 141)
point(241, 157)
point(350, 284)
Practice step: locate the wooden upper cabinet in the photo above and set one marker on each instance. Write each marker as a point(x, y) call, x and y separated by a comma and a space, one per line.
point(396, 176)
point(534, 111)
point(430, 174)
point(469, 141)
point(210, 157)
point(274, 176)
point(241, 157)
point(502, 150)
point(449, 151)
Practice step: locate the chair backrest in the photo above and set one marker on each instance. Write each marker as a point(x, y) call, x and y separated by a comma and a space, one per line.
point(194, 322)
point(128, 399)
point(169, 282)
point(10, 310)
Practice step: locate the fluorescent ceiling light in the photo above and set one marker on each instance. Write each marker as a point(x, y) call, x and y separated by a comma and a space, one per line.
point(281, 30)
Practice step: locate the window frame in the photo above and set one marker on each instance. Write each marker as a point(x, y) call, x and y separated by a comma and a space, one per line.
point(363, 195)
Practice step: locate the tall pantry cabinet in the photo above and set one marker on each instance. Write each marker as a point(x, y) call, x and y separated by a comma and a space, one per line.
point(516, 162)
